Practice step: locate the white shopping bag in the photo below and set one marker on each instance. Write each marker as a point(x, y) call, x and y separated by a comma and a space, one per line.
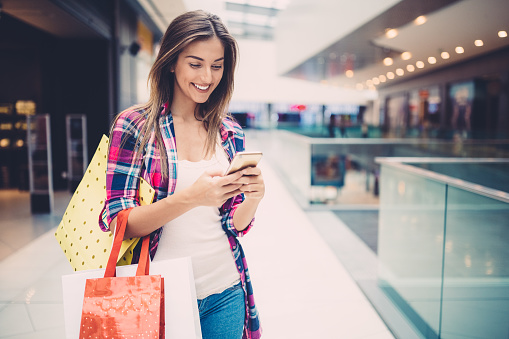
point(182, 319)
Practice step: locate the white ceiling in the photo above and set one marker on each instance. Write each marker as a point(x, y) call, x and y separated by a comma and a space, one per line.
point(457, 25)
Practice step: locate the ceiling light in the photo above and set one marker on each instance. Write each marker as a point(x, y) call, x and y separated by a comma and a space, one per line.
point(372, 88)
point(382, 78)
point(420, 20)
point(388, 61)
point(376, 81)
point(333, 56)
point(391, 33)
point(459, 50)
point(419, 64)
point(369, 83)
point(478, 43)
point(400, 71)
point(406, 55)
point(410, 68)
point(349, 73)
point(359, 86)
point(445, 55)
point(502, 34)
point(432, 60)
point(390, 75)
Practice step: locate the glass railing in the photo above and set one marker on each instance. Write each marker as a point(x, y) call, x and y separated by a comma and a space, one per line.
point(443, 244)
point(343, 172)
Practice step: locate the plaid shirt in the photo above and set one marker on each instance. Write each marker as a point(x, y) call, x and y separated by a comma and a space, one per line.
point(122, 178)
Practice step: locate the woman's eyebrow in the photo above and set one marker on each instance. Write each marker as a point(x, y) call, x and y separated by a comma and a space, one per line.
point(198, 58)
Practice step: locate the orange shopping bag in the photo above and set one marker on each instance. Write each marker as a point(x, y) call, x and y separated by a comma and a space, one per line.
point(124, 307)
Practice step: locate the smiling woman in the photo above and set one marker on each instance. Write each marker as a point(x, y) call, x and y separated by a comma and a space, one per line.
point(181, 142)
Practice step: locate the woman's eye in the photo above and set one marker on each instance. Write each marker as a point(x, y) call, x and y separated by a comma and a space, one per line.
point(195, 65)
point(217, 67)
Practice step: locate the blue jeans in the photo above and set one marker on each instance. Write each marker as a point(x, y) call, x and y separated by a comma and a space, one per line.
point(222, 315)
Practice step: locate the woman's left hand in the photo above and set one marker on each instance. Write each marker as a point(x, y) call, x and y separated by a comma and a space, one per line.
point(252, 182)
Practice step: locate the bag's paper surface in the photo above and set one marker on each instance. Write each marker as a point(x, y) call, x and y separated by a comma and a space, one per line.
point(84, 244)
point(182, 317)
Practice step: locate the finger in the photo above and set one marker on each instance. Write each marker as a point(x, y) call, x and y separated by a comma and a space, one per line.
point(231, 194)
point(252, 171)
point(230, 178)
point(251, 188)
point(214, 173)
point(244, 180)
point(229, 188)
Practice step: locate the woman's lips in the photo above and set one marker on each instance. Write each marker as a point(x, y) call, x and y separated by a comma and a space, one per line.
point(202, 88)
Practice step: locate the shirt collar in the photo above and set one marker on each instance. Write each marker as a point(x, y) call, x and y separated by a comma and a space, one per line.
point(227, 128)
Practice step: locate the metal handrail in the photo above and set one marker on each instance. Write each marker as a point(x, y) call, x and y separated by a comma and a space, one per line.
point(401, 163)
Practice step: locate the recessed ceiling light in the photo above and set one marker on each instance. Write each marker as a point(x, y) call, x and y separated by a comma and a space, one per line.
point(359, 86)
point(391, 33)
point(445, 55)
point(410, 68)
point(420, 20)
point(419, 64)
point(502, 34)
point(400, 71)
point(349, 73)
point(432, 60)
point(382, 78)
point(406, 55)
point(369, 83)
point(388, 61)
point(390, 75)
point(376, 81)
point(459, 50)
point(478, 43)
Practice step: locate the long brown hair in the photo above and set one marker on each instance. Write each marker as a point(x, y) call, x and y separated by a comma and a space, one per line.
point(183, 30)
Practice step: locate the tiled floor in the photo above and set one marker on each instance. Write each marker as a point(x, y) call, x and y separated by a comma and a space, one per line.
point(301, 288)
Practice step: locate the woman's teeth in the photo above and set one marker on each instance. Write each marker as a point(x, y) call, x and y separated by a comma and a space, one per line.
point(203, 88)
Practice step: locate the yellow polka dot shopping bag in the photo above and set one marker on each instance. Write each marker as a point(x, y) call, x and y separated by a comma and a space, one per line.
point(84, 244)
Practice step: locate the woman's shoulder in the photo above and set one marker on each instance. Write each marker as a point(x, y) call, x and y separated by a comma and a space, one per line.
point(131, 119)
point(232, 126)
point(132, 114)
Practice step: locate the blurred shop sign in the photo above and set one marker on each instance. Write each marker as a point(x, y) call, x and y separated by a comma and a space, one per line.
point(6, 108)
point(298, 108)
point(25, 107)
point(328, 170)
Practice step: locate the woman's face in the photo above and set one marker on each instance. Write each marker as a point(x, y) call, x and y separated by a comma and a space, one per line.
point(199, 70)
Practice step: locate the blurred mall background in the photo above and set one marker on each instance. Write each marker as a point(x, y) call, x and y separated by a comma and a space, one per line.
point(388, 116)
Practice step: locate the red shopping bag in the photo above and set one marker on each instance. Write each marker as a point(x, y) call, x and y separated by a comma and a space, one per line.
point(124, 307)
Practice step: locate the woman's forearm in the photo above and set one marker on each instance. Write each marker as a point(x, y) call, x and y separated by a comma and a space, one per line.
point(245, 213)
point(143, 220)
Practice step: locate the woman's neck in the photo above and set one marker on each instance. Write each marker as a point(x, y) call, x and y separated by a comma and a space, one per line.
point(183, 109)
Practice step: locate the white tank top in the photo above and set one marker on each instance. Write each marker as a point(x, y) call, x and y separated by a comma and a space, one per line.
point(199, 235)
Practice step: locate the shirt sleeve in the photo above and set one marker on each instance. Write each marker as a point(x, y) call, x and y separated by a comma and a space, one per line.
point(123, 172)
point(228, 218)
point(231, 205)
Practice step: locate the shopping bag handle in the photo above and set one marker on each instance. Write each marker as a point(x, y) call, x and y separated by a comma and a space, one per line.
point(144, 262)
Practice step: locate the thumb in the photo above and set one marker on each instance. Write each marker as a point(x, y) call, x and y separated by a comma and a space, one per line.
point(214, 172)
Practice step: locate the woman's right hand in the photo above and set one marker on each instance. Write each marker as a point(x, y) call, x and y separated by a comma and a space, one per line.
point(214, 189)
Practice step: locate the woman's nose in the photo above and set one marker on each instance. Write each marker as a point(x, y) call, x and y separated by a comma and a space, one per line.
point(206, 75)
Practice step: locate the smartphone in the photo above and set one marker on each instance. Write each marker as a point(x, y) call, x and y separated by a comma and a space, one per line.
point(243, 160)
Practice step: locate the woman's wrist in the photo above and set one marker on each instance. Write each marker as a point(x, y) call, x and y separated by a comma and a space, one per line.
point(185, 198)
